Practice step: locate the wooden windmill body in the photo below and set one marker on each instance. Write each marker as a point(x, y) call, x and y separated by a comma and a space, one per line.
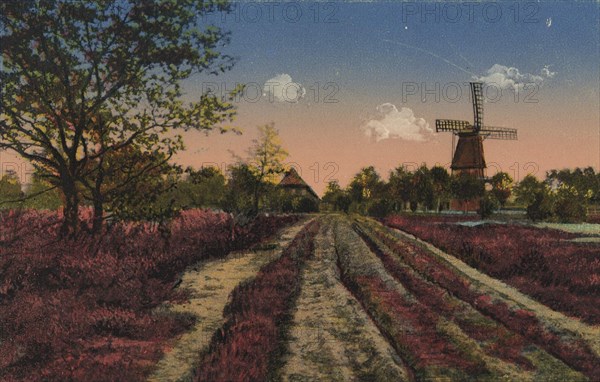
point(468, 156)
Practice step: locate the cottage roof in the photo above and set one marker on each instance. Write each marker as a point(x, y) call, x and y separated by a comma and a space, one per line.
point(292, 179)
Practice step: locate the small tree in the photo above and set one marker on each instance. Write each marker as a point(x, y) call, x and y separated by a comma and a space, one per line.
point(527, 189)
point(570, 205)
point(239, 194)
point(365, 186)
point(333, 194)
point(501, 187)
point(266, 157)
point(542, 205)
point(441, 185)
point(422, 188)
point(400, 187)
point(488, 204)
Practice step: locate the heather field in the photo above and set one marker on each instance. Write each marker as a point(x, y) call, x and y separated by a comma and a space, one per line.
point(85, 309)
point(285, 298)
point(560, 269)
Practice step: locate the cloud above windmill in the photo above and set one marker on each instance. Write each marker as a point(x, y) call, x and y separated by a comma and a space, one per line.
point(282, 88)
point(391, 123)
point(505, 77)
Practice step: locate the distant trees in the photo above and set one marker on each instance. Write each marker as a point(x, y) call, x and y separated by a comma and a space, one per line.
point(335, 198)
point(41, 195)
point(204, 187)
point(364, 189)
point(10, 190)
point(564, 196)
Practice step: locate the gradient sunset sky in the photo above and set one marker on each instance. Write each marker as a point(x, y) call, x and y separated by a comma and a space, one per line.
point(367, 59)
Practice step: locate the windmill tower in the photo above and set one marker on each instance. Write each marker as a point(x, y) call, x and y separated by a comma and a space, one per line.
point(468, 156)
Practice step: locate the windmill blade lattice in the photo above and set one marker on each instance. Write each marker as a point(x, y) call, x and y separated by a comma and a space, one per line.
point(477, 97)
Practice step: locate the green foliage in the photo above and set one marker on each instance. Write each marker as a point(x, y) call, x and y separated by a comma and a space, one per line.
point(527, 189)
point(488, 204)
point(585, 181)
point(542, 206)
point(307, 204)
point(335, 198)
point(400, 187)
point(10, 190)
point(502, 187)
point(265, 161)
point(239, 194)
point(41, 195)
point(365, 185)
point(570, 205)
point(204, 188)
point(379, 208)
point(467, 186)
point(105, 82)
point(441, 185)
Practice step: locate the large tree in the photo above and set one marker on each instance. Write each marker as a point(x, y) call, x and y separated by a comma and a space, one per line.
point(82, 80)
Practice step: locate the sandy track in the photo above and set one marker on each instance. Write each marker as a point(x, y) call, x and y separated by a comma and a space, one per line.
point(331, 337)
point(210, 284)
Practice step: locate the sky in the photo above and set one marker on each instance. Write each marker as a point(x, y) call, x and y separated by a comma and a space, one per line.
point(350, 85)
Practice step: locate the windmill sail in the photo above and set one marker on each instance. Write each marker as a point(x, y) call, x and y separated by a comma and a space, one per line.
point(452, 125)
point(477, 96)
point(505, 133)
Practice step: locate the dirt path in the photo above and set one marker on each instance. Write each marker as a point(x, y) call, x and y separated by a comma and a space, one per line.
point(332, 338)
point(210, 284)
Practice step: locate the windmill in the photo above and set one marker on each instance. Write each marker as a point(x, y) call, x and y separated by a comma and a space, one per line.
point(468, 156)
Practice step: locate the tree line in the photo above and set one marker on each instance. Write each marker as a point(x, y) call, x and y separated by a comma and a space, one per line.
point(564, 195)
point(245, 188)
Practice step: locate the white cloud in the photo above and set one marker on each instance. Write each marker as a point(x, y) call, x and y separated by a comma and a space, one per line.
point(505, 77)
point(393, 123)
point(282, 88)
point(547, 73)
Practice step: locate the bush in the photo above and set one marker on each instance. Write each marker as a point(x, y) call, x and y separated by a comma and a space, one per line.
point(379, 208)
point(542, 207)
point(307, 204)
point(570, 205)
point(488, 205)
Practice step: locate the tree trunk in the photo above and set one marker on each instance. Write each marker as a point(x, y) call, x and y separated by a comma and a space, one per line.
point(98, 218)
point(256, 198)
point(70, 223)
point(98, 215)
